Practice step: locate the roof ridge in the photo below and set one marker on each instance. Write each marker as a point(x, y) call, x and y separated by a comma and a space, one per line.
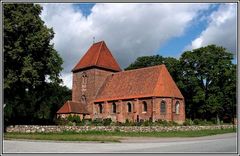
point(125, 71)
point(99, 51)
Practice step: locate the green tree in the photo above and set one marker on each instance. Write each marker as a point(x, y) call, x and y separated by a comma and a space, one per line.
point(208, 80)
point(31, 64)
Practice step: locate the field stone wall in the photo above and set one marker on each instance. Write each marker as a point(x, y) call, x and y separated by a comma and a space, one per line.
point(54, 128)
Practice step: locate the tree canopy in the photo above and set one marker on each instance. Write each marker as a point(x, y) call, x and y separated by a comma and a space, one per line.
point(206, 77)
point(31, 65)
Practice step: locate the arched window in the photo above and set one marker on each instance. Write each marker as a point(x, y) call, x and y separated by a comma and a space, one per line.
point(83, 99)
point(100, 108)
point(114, 108)
point(144, 106)
point(163, 107)
point(129, 106)
point(177, 107)
point(84, 78)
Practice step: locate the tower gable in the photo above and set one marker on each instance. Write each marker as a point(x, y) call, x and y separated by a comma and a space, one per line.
point(98, 56)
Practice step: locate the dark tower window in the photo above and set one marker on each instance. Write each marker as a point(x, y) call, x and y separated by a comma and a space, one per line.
point(114, 108)
point(163, 107)
point(129, 106)
point(100, 108)
point(84, 81)
point(144, 106)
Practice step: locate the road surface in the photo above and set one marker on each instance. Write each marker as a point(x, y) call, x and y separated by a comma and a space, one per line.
point(217, 143)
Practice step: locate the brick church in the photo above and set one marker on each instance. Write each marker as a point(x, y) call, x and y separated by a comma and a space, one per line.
point(102, 90)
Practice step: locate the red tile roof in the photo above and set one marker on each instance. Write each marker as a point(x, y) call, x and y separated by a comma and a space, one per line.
point(138, 83)
point(98, 55)
point(73, 107)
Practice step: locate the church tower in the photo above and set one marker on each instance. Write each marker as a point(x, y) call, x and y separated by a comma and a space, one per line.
point(90, 73)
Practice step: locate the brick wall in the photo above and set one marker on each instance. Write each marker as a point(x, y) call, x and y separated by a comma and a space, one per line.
point(153, 110)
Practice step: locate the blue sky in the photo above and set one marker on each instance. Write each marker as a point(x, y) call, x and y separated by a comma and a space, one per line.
point(85, 8)
point(132, 30)
point(175, 46)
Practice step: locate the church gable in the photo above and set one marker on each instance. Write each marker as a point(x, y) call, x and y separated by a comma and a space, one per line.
point(166, 87)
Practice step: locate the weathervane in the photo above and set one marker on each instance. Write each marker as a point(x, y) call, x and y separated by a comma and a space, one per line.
point(93, 39)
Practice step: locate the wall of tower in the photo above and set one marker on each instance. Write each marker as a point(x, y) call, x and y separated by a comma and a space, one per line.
point(86, 84)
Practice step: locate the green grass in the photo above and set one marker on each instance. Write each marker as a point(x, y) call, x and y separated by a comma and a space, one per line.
point(104, 136)
point(60, 137)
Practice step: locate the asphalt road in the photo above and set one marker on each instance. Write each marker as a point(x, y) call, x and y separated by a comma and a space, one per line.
point(217, 143)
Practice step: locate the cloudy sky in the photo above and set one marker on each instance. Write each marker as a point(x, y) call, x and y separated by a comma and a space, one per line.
point(132, 30)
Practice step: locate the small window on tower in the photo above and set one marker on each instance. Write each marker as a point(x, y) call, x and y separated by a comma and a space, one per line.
point(84, 81)
point(83, 99)
point(84, 78)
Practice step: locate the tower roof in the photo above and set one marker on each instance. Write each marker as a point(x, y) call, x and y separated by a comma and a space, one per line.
point(153, 81)
point(98, 55)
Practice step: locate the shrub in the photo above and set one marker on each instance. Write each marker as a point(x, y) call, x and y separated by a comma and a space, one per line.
point(147, 123)
point(61, 121)
point(107, 122)
point(162, 122)
point(74, 118)
point(87, 122)
point(172, 123)
point(140, 123)
point(128, 123)
point(97, 122)
point(70, 123)
point(188, 122)
point(196, 121)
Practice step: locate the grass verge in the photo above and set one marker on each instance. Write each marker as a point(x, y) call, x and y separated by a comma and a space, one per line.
point(104, 136)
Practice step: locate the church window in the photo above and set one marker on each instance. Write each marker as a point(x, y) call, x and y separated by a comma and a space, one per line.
point(163, 107)
point(129, 106)
point(177, 107)
point(144, 106)
point(100, 108)
point(114, 108)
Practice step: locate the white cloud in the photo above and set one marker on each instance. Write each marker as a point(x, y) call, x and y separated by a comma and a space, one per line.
point(130, 30)
point(221, 30)
point(67, 79)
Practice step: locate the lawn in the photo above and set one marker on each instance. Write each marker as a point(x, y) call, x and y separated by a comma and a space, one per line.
point(104, 136)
